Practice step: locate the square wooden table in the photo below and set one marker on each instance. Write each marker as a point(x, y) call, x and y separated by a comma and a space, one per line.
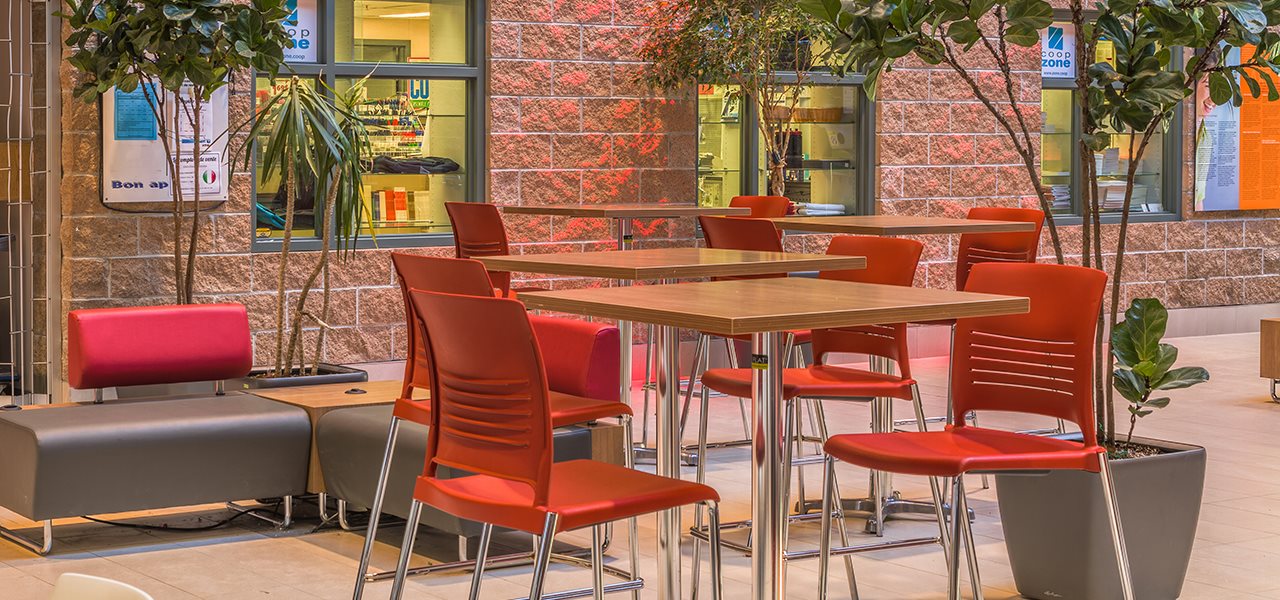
point(892, 225)
point(665, 264)
point(318, 400)
point(624, 213)
point(766, 309)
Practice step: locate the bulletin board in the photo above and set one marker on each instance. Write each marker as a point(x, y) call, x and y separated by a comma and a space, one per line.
point(134, 166)
point(1237, 150)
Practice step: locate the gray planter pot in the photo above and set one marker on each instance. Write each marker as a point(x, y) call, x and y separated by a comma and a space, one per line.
point(1055, 526)
point(328, 374)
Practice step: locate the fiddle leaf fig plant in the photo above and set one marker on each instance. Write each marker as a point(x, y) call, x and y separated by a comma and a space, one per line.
point(189, 49)
point(1144, 364)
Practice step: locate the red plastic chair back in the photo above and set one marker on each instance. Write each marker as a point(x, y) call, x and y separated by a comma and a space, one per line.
point(489, 395)
point(890, 261)
point(433, 274)
point(762, 207)
point(1018, 247)
point(478, 231)
point(740, 233)
point(1040, 362)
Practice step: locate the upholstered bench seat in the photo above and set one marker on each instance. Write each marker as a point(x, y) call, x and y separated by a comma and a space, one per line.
point(351, 442)
point(127, 455)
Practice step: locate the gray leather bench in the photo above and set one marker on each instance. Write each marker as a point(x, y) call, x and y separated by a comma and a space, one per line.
point(72, 460)
point(351, 441)
point(127, 455)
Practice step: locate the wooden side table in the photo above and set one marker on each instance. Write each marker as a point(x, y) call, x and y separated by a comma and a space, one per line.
point(1269, 355)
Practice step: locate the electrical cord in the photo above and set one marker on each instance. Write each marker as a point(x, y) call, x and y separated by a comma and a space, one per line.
point(216, 525)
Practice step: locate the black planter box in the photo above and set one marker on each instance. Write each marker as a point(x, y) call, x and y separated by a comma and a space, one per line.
point(1055, 526)
point(328, 374)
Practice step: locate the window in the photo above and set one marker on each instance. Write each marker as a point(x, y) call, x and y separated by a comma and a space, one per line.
point(828, 164)
point(422, 100)
point(1157, 186)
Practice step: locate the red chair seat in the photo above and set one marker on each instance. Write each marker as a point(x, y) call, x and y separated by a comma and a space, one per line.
point(815, 381)
point(566, 409)
point(960, 450)
point(582, 492)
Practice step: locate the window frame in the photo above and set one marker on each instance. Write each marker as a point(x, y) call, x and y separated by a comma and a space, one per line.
point(1171, 149)
point(864, 163)
point(473, 73)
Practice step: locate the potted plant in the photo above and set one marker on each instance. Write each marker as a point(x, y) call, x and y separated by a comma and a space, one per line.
point(312, 139)
point(761, 46)
point(1055, 525)
point(178, 52)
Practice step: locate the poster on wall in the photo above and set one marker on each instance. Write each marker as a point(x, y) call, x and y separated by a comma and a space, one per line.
point(1237, 150)
point(1058, 51)
point(134, 166)
point(301, 27)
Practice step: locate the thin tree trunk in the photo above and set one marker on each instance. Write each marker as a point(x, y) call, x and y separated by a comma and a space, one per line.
point(331, 200)
point(291, 195)
point(188, 284)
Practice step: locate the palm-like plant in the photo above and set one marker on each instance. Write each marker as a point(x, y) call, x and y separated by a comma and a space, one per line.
point(312, 135)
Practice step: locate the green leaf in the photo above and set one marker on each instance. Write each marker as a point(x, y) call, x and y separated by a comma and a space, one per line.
point(964, 32)
point(1219, 88)
point(1157, 402)
point(1129, 384)
point(1182, 377)
point(174, 12)
point(1029, 14)
point(1248, 13)
point(979, 8)
point(1022, 36)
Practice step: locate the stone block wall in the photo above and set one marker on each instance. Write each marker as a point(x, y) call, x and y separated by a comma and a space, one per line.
point(567, 123)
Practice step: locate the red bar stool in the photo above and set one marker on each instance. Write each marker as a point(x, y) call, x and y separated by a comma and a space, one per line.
point(762, 207)
point(478, 231)
point(491, 417)
point(589, 394)
point(890, 261)
point(1037, 363)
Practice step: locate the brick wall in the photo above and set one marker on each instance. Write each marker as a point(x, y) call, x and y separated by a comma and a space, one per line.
point(567, 124)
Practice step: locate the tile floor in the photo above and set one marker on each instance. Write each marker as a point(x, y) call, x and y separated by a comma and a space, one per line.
point(1237, 552)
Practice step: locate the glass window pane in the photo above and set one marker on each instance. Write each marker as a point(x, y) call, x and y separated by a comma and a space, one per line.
point(417, 129)
point(821, 152)
point(271, 194)
point(1113, 165)
point(719, 144)
point(401, 31)
point(1057, 146)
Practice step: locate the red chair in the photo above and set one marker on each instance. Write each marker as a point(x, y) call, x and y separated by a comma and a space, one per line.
point(1037, 363)
point(890, 261)
point(763, 207)
point(1018, 247)
point(491, 417)
point(583, 369)
point(478, 231)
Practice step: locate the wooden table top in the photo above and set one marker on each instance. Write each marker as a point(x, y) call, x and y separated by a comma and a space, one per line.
point(334, 395)
point(759, 305)
point(625, 210)
point(898, 225)
point(670, 263)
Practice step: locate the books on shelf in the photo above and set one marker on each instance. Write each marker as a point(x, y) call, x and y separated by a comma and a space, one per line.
point(814, 209)
point(398, 207)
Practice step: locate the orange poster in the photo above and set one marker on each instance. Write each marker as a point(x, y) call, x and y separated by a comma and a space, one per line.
point(1259, 146)
point(1238, 148)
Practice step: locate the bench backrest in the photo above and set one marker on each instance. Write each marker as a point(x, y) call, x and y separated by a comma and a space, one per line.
point(110, 347)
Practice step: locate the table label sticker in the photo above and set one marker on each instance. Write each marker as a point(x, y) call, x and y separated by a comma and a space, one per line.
point(759, 362)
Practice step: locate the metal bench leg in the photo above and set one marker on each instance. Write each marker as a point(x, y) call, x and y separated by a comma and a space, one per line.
point(41, 547)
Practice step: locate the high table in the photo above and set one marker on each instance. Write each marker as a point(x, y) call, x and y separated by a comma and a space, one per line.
point(889, 225)
point(623, 214)
point(766, 309)
point(666, 264)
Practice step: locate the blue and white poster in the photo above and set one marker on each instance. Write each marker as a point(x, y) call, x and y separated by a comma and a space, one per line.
point(1058, 51)
point(134, 118)
point(301, 27)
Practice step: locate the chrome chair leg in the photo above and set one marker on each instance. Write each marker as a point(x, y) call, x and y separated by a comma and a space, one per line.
point(970, 547)
point(40, 548)
point(543, 557)
point(597, 563)
point(830, 508)
point(375, 511)
point(953, 561)
point(700, 476)
point(633, 530)
point(701, 352)
point(482, 555)
point(713, 553)
point(1117, 529)
point(406, 549)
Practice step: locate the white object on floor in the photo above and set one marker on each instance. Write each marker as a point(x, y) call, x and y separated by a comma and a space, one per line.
point(74, 586)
